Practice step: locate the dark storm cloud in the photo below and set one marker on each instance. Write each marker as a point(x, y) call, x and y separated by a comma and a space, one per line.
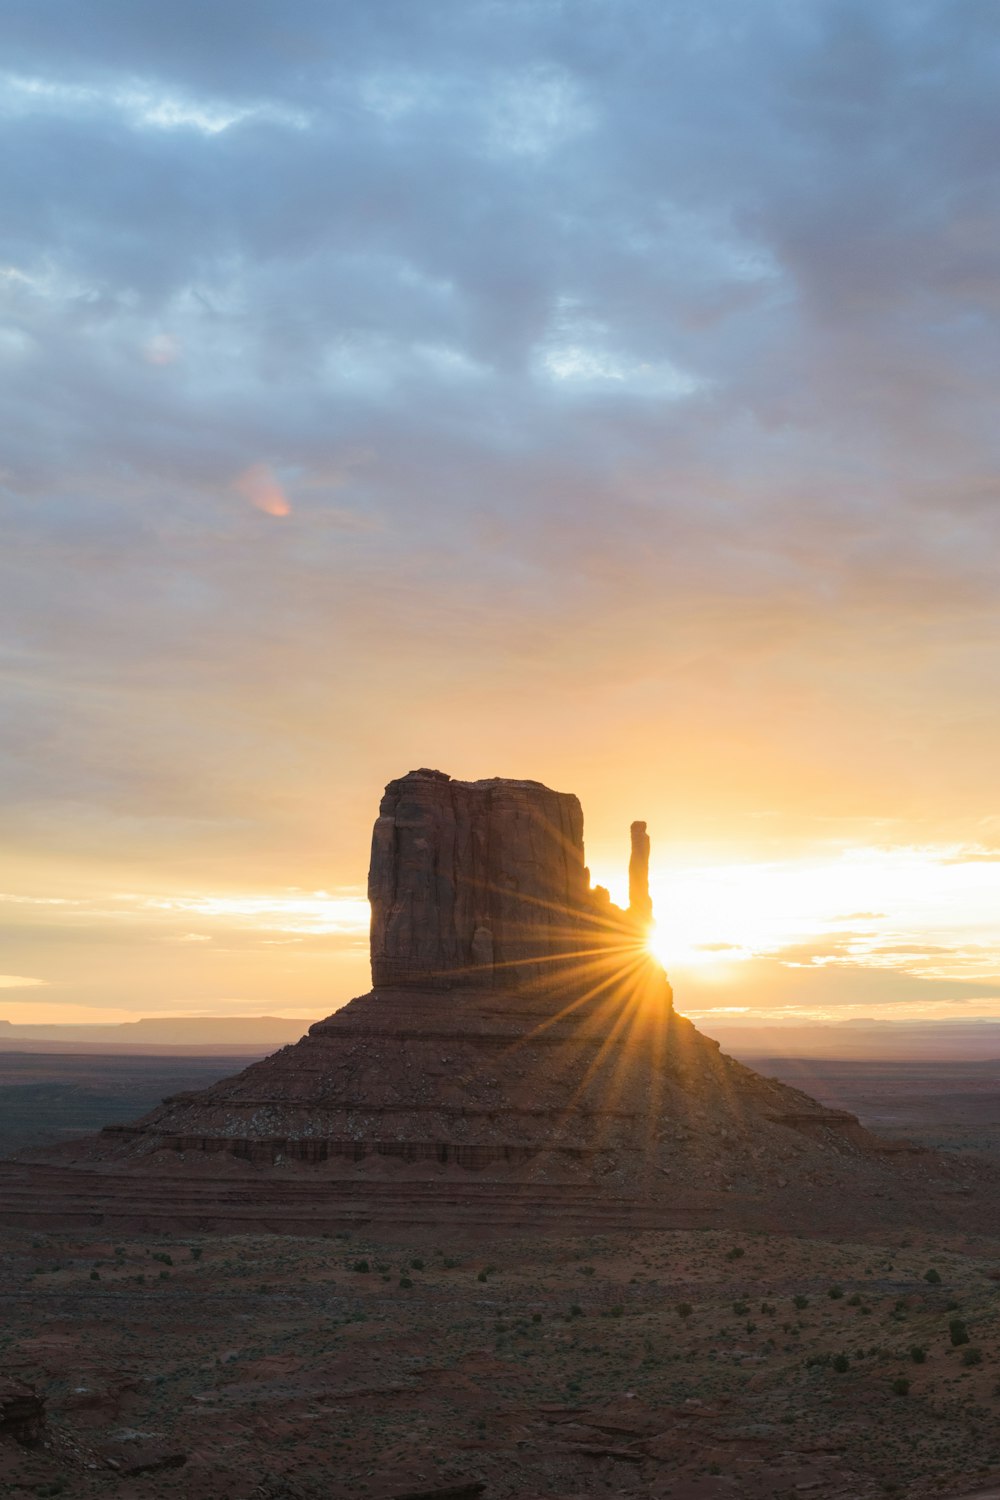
point(581, 342)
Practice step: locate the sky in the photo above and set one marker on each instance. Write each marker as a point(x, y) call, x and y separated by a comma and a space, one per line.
point(603, 392)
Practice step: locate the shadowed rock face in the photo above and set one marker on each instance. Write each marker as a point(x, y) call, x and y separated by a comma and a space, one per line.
point(481, 883)
point(519, 1059)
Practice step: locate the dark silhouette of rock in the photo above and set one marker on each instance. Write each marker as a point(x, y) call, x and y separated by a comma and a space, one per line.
point(640, 905)
point(518, 1059)
point(22, 1412)
point(478, 883)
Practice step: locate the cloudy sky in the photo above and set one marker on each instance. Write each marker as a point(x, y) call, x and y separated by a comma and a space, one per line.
point(602, 391)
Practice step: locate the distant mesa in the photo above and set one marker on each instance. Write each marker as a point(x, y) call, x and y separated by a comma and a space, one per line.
point(518, 1061)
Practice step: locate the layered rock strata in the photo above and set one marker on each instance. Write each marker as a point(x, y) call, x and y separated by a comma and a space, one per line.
point(518, 1058)
point(481, 884)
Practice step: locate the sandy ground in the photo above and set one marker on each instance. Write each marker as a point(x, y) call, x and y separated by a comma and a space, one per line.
point(684, 1364)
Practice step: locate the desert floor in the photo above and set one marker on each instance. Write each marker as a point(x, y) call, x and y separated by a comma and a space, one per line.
point(675, 1364)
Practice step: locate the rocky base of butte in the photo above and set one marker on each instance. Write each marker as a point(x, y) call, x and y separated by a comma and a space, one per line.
point(519, 1061)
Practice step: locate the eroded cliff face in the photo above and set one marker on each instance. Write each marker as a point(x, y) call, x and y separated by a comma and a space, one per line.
point(518, 1060)
point(481, 883)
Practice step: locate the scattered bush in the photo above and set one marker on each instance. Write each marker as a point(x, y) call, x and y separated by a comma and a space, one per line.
point(841, 1364)
point(972, 1357)
point(405, 1282)
point(576, 1311)
point(163, 1257)
point(959, 1332)
point(901, 1386)
point(95, 1275)
point(933, 1277)
point(362, 1266)
point(741, 1309)
point(918, 1354)
point(684, 1309)
point(800, 1301)
point(835, 1292)
point(616, 1311)
point(854, 1301)
point(416, 1264)
point(735, 1253)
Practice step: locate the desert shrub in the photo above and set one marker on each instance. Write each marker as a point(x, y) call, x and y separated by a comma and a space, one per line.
point(684, 1309)
point(933, 1277)
point(616, 1311)
point(362, 1266)
point(841, 1364)
point(800, 1301)
point(163, 1257)
point(767, 1308)
point(835, 1292)
point(536, 1317)
point(959, 1332)
point(735, 1253)
point(95, 1275)
point(901, 1386)
point(405, 1282)
point(972, 1357)
point(450, 1263)
point(854, 1301)
point(741, 1309)
point(196, 1252)
point(416, 1264)
point(576, 1311)
point(918, 1354)
point(482, 1276)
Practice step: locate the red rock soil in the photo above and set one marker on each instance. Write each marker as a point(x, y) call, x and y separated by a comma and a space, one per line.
point(686, 1364)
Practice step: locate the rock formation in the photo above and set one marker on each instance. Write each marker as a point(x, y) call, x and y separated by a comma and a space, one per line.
point(477, 883)
point(22, 1412)
point(518, 1058)
point(640, 904)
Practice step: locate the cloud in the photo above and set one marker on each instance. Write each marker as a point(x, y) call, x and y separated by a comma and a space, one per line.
point(260, 487)
point(626, 368)
point(18, 982)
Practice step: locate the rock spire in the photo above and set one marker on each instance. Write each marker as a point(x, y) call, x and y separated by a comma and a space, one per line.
point(640, 905)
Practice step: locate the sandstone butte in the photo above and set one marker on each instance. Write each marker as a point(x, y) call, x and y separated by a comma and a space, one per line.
point(518, 1062)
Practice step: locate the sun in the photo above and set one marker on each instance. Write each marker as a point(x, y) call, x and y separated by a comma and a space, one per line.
point(658, 946)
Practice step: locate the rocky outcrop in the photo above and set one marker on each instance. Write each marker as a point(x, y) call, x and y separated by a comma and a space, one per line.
point(480, 883)
point(22, 1412)
point(640, 905)
point(518, 1060)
